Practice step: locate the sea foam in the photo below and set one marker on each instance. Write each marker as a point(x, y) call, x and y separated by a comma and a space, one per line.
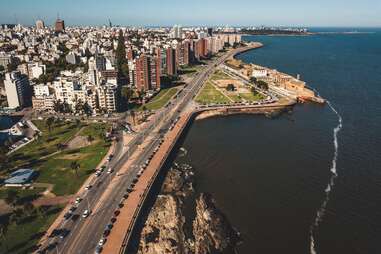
point(321, 211)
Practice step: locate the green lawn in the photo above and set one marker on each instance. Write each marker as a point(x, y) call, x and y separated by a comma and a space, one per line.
point(190, 69)
point(23, 237)
point(45, 145)
point(251, 97)
point(219, 75)
point(55, 169)
point(160, 99)
point(209, 94)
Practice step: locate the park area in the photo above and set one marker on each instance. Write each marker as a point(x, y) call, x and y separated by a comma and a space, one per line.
point(221, 88)
point(63, 157)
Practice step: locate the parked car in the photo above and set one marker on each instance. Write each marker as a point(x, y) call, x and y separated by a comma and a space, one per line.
point(102, 242)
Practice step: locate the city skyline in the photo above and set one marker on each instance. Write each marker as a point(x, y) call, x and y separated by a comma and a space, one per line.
point(166, 13)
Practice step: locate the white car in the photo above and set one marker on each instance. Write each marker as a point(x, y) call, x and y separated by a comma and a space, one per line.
point(78, 200)
point(101, 242)
point(86, 213)
point(88, 187)
point(110, 170)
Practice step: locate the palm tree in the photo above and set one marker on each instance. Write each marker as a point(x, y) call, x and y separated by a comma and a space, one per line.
point(141, 95)
point(29, 208)
point(3, 231)
point(90, 138)
point(17, 215)
point(60, 146)
point(41, 211)
point(49, 123)
point(12, 198)
point(133, 115)
point(75, 166)
point(77, 122)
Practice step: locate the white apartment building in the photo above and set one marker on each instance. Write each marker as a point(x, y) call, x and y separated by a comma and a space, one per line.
point(35, 70)
point(41, 90)
point(107, 97)
point(17, 89)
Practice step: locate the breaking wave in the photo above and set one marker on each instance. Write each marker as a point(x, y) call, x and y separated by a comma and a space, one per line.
point(321, 211)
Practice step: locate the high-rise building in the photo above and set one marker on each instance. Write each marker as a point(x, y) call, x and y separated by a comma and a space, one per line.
point(184, 53)
point(177, 32)
point(142, 75)
point(100, 62)
point(60, 26)
point(154, 62)
point(18, 90)
point(201, 49)
point(210, 32)
point(147, 73)
point(107, 96)
point(171, 62)
point(40, 24)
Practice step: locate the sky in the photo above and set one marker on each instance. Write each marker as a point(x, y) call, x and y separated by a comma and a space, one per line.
point(301, 13)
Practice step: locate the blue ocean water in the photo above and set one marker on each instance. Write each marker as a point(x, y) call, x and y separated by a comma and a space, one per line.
point(270, 177)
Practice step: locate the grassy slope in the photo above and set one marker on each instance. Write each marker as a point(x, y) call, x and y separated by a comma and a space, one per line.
point(160, 99)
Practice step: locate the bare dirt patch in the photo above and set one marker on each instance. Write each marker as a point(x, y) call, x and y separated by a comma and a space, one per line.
point(78, 142)
point(51, 201)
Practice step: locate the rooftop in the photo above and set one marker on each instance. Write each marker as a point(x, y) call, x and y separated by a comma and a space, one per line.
point(21, 176)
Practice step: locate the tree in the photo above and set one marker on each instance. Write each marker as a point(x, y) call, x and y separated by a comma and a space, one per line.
point(141, 95)
point(254, 91)
point(3, 157)
point(253, 80)
point(3, 231)
point(66, 107)
point(77, 122)
point(230, 87)
point(58, 106)
point(75, 166)
point(263, 85)
point(90, 138)
point(29, 208)
point(12, 66)
point(49, 122)
point(12, 198)
point(87, 109)
point(79, 106)
point(127, 93)
point(60, 146)
point(120, 54)
point(133, 115)
point(42, 211)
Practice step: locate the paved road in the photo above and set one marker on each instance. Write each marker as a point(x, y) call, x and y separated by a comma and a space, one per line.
point(84, 233)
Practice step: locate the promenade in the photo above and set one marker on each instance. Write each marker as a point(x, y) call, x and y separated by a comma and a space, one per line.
point(123, 228)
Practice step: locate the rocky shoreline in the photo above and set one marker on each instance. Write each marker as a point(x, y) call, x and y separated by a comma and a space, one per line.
point(171, 228)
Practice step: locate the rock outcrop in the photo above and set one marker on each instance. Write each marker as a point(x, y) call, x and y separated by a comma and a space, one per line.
point(211, 229)
point(163, 231)
point(165, 228)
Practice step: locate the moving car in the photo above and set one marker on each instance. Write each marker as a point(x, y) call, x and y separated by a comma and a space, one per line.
point(86, 213)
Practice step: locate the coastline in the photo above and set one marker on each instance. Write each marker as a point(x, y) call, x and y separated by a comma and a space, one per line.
point(266, 110)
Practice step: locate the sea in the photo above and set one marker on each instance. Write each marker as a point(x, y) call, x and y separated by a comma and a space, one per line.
point(307, 181)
